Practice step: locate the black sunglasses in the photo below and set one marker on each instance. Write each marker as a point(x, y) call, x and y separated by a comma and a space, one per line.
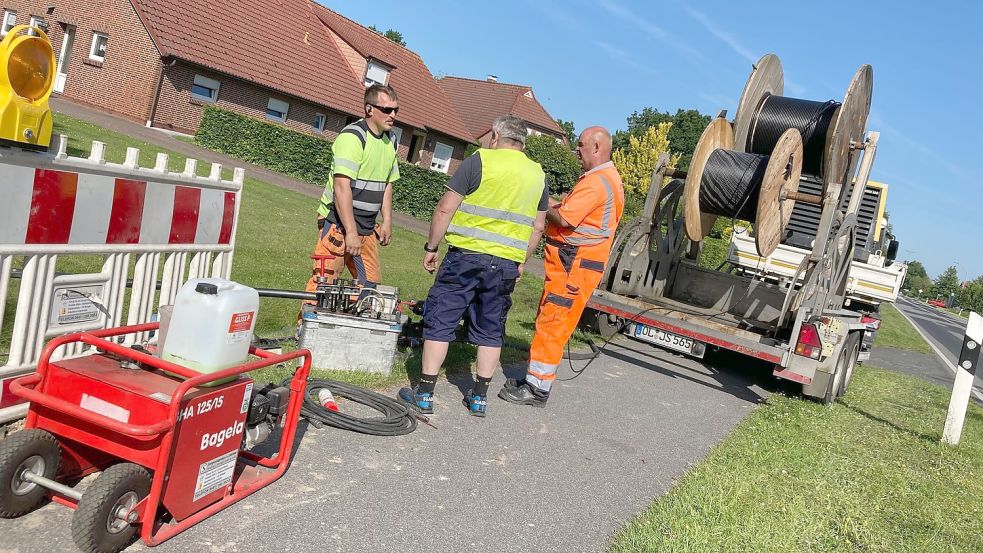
point(386, 110)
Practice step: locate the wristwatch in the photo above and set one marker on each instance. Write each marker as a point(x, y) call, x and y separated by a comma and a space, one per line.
point(428, 249)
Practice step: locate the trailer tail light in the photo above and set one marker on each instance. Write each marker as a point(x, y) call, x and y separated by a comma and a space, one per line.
point(809, 345)
point(871, 322)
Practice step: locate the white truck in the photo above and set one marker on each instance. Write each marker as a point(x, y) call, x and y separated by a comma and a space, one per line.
point(874, 275)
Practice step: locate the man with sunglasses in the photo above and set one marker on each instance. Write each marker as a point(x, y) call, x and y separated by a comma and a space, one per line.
point(362, 172)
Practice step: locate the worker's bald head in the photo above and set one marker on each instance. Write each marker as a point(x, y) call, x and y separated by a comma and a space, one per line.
point(594, 147)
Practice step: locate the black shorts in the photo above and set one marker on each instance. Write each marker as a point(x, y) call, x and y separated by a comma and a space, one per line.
point(477, 283)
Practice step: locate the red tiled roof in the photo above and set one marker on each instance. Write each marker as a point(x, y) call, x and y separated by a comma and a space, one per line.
point(480, 102)
point(284, 45)
point(422, 103)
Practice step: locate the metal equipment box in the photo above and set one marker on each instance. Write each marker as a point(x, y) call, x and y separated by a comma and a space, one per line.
point(349, 343)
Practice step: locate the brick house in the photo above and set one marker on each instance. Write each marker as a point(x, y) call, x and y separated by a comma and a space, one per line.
point(480, 102)
point(292, 62)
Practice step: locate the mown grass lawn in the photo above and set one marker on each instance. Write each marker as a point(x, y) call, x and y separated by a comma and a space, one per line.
point(895, 332)
point(867, 474)
point(275, 237)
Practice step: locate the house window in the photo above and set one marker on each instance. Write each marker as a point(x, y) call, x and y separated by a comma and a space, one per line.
point(35, 22)
point(277, 110)
point(441, 157)
point(98, 50)
point(397, 135)
point(9, 20)
point(376, 74)
point(204, 89)
point(318, 123)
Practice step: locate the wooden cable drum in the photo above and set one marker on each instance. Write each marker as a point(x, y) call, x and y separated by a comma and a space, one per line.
point(725, 182)
point(827, 128)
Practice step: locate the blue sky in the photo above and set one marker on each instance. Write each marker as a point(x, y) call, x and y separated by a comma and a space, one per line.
point(597, 62)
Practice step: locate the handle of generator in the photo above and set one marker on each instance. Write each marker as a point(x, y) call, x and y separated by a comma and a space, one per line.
point(27, 386)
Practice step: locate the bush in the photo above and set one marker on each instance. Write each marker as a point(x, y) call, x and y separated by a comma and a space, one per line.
point(560, 164)
point(417, 191)
point(272, 146)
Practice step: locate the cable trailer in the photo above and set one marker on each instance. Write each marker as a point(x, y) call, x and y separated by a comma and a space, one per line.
point(654, 291)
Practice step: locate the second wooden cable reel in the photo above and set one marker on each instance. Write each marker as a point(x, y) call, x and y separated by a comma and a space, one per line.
point(751, 170)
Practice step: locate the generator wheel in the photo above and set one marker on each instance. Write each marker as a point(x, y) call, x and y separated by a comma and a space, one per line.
point(34, 450)
point(96, 528)
point(853, 347)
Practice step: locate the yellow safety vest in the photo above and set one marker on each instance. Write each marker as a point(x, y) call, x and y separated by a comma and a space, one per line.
point(498, 217)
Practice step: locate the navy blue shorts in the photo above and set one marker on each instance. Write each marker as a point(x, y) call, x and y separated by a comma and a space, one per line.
point(476, 283)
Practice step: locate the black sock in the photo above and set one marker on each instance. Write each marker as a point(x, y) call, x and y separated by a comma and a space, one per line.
point(427, 384)
point(481, 386)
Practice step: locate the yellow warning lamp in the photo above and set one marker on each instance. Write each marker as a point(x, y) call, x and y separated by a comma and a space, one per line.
point(27, 66)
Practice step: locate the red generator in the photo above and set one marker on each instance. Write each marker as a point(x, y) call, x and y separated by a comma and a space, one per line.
point(173, 445)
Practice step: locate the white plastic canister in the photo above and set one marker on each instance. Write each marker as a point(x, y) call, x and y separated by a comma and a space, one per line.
point(211, 325)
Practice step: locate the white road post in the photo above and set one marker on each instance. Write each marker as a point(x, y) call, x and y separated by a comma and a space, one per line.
point(969, 358)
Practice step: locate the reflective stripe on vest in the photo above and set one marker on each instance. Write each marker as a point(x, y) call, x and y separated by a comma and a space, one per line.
point(498, 217)
point(499, 214)
point(594, 235)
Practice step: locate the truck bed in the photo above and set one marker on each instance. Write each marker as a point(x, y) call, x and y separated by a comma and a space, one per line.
point(705, 325)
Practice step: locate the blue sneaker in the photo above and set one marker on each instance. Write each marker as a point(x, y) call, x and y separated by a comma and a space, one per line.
point(477, 405)
point(422, 402)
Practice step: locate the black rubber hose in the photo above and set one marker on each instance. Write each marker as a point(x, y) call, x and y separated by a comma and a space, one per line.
point(397, 417)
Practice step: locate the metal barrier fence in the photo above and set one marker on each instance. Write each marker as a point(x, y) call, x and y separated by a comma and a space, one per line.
point(148, 224)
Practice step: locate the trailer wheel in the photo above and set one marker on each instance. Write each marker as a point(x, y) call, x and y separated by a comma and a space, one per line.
point(96, 526)
point(600, 323)
point(28, 450)
point(853, 348)
point(836, 379)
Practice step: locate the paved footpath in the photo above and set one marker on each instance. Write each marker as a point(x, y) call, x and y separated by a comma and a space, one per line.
point(562, 478)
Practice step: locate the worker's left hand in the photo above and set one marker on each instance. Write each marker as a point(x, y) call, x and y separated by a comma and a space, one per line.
point(430, 262)
point(384, 232)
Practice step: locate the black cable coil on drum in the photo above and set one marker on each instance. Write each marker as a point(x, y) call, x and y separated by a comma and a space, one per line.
point(776, 114)
point(731, 183)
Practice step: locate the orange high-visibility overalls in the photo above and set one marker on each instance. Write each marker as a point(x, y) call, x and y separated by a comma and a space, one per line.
point(575, 259)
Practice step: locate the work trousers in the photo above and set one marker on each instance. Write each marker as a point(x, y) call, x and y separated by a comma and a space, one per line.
point(572, 274)
point(331, 244)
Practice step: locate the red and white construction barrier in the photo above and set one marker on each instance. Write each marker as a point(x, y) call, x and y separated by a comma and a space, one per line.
point(145, 224)
point(969, 358)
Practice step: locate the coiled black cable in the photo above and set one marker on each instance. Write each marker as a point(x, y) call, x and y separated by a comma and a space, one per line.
point(777, 114)
point(397, 417)
point(731, 183)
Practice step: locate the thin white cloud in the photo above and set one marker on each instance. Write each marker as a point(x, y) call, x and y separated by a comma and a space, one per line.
point(622, 56)
point(653, 30)
point(724, 36)
point(877, 123)
point(719, 101)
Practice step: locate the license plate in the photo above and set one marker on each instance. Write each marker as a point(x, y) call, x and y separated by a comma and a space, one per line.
point(665, 339)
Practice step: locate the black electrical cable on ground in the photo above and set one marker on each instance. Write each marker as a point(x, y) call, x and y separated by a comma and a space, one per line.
point(777, 114)
point(595, 350)
point(397, 417)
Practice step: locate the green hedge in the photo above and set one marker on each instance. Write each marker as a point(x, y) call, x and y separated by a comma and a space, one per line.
point(272, 146)
point(307, 157)
point(417, 191)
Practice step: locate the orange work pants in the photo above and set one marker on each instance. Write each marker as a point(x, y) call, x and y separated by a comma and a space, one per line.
point(331, 242)
point(572, 274)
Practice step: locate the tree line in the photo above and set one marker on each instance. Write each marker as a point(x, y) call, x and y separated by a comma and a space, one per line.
point(946, 287)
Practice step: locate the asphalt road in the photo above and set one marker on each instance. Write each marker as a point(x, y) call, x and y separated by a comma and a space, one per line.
point(562, 478)
point(945, 332)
